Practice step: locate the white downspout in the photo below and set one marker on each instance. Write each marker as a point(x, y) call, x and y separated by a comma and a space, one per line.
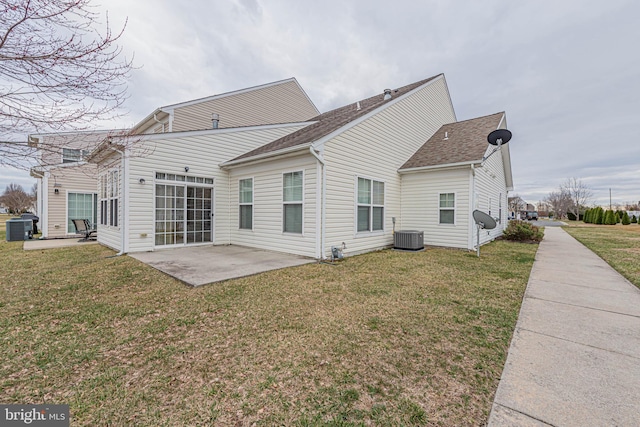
point(323, 195)
point(122, 186)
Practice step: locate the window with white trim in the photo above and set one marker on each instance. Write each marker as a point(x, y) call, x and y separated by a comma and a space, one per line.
point(113, 197)
point(370, 216)
point(292, 185)
point(104, 201)
point(245, 197)
point(447, 208)
point(71, 155)
point(80, 206)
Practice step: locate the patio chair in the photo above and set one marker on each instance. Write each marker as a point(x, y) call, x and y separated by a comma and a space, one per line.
point(83, 227)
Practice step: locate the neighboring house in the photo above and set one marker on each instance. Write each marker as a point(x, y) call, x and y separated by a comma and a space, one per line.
point(353, 175)
point(67, 183)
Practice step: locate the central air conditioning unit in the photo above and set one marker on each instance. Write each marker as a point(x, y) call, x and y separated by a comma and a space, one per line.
point(18, 229)
point(408, 240)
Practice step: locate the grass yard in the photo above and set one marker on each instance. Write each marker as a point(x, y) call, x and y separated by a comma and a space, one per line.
point(618, 245)
point(386, 338)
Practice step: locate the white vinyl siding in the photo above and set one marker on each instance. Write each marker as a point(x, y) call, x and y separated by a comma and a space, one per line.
point(281, 103)
point(421, 206)
point(378, 147)
point(245, 204)
point(268, 206)
point(292, 202)
point(77, 178)
point(491, 189)
point(447, 206)
point(202, 154)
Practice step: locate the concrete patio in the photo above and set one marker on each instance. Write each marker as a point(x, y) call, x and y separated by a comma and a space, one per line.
point(37, 244)
point(200, 265)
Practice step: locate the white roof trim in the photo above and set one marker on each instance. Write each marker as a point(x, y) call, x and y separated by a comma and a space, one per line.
point(187, 133)
point(38, 135)
point(265, 156)
point(443, 166)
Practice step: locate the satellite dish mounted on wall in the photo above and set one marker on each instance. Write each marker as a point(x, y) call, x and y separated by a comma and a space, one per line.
point(498, 137)
point(483, 221)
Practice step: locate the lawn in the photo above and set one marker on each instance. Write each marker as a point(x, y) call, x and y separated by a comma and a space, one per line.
point(386, 338)
point(618, 245)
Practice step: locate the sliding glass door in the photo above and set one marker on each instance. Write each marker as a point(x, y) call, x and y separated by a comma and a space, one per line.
point(183, 214)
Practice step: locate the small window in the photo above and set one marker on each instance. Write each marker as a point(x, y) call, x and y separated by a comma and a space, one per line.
point(370, 216)
point(70, 155)
point(246, 204)
point(447, 208)
point(292, 189)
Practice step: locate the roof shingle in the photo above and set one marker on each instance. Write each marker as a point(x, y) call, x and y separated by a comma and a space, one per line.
point(465, 141)
point(330, 121)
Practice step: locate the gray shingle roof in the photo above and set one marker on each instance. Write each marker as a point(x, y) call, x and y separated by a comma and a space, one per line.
point(330, 121)
point(466, 141)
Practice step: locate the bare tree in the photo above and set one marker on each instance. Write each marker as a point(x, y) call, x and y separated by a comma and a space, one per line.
point(516, 204)
point(579, 194)
point(15, 199)
point(60, 69)
point(560, 202)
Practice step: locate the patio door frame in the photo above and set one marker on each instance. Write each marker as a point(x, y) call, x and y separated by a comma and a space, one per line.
point(185, 211)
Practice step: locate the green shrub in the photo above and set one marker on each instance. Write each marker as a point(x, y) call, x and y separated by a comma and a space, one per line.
point(634, 220)
point(599, 217)
point(610, 218)
point(625, 219)
point(523, 231)
point(587, 216)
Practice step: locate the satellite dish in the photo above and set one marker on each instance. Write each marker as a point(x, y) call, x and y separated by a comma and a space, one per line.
point(499, 137)
point(482, 221)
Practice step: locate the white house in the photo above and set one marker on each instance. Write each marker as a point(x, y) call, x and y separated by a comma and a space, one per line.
point(67, 182)
point(353, 175)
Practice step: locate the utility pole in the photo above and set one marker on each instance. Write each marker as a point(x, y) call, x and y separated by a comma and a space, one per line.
point(610, 199)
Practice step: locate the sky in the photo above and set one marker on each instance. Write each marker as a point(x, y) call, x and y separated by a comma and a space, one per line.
point(567, 72)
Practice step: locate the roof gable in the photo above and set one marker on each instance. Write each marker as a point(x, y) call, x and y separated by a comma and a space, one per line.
point(453, 143)
point(331, 121)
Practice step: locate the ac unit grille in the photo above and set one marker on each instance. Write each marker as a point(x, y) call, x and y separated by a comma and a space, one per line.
point(410, 240)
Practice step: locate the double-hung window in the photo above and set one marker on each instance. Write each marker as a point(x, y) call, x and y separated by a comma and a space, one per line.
point(104, 200)
point(370, 205)
point(447, 208)
point(292, 202)
point(113, 198)
point(246, 204)
point(71, 155)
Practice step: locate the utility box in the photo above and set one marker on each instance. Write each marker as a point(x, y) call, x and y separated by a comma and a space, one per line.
point(408, 240)
point(18, 229)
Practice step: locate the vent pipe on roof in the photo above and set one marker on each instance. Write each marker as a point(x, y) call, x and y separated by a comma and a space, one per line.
point(215, 120)
point(387, 94)
point(358, 105)
point(446, 135)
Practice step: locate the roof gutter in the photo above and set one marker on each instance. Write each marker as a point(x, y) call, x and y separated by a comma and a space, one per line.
point(264, 156)
point(472, 163)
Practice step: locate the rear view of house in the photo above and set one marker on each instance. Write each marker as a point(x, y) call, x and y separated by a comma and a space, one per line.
point(67, 183)
point(349, 177)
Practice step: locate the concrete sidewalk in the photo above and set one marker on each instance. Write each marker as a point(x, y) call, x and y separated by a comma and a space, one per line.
point(575, 355)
